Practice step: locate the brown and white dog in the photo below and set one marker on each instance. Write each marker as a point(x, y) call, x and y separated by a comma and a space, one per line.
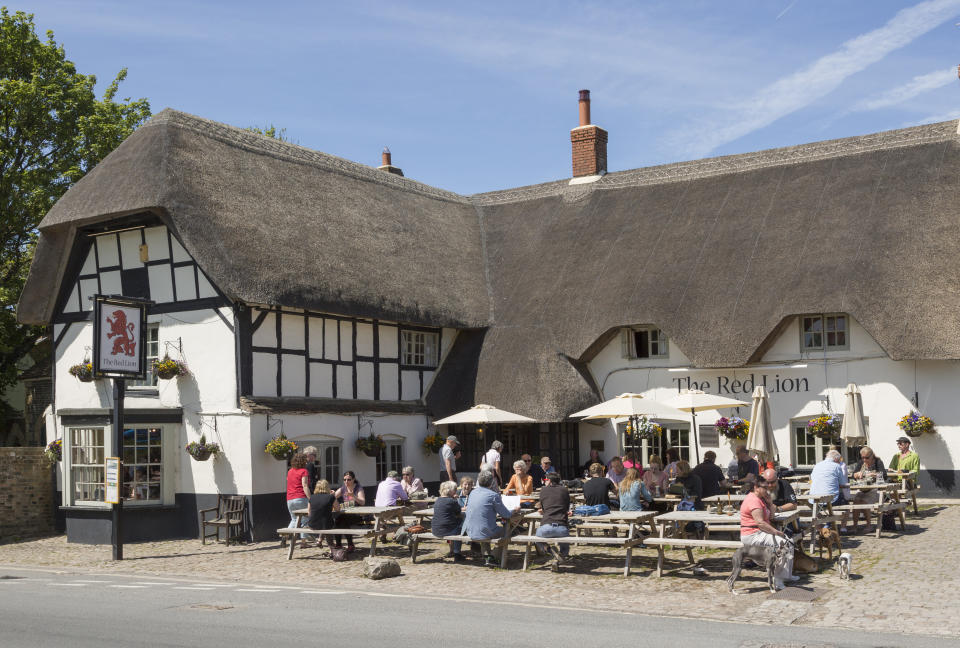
point(826, 539)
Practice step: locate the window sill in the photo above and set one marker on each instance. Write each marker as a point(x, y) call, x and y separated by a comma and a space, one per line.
point(144, 391)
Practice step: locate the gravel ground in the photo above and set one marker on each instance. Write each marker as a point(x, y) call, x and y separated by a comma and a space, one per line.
point(890, 590)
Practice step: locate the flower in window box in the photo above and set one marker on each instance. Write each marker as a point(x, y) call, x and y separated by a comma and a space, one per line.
point(201, 450)
point(169, 368)
point(915, 424)
point(432, 444)
point(733, 427)
point(371, 445)
point(280, 447)
point(83, 371)
point(642, 428)
point(826, 427)
point(54, 451)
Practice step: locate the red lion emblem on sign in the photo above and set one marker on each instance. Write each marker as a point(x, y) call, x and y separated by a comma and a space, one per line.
point(124, 342)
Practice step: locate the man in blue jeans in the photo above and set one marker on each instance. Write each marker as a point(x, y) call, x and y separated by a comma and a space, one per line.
point(555, 505)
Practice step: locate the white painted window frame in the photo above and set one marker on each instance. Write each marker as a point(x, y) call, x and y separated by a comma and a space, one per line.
point(823, 332)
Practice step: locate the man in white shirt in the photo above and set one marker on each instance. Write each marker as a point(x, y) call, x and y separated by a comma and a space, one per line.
point(448, 462)
point(828, 477)
point(492, 460)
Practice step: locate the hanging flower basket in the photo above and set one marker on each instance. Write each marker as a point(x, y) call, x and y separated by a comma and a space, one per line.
point(280, 447)
point(169, 368)
point(733, 427)
point(826, 427)
point(641, 428)
point(83, 371)
point(432, 444)
point(914, 424)
point(371, 445)
point(54, 451)
point(201, 451)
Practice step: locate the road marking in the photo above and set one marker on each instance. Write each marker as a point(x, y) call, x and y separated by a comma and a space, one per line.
point(213, 584)
point(318, 592)
point(149, 583)
point(205, 589)
point(243, 589)
point(130, 586)
point(69, 584)
point(91, 581)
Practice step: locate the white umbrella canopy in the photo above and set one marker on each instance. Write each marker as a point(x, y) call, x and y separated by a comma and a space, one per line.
point(760, 438)
point(484, 414)
point(853, 430)
point(695, 400)
point(624, 405)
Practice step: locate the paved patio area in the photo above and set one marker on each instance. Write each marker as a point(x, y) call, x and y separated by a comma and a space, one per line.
point(902, 583)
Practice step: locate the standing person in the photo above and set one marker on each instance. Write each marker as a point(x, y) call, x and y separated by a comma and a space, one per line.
point(483, 507)
point(594, 458)
point(711, 475)
point(520, 483)
point(321, 509)
point(654, 478)
point(410, 482)
point(350, 494)
point(555, 505)
point(746, 465)
point(755, 529)
point(617, 471)
point(448, 462)
point(633, 493)
point(313, 470)
point(297, 489)
point(492, 459)
point(905, 460)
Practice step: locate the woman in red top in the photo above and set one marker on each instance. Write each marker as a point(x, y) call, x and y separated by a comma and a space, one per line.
point(297, 490)
point(755, 527)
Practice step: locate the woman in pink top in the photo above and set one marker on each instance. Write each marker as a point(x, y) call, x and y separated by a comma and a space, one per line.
point(756, 530)
point(654, 478)
point(297, 490)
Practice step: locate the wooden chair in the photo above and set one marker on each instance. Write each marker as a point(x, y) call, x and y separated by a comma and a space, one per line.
point(229, 514)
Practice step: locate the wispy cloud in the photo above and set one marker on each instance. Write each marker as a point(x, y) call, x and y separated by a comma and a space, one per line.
point(933, 119)
point(802, 88)
point(789, 7)
point(918, 85)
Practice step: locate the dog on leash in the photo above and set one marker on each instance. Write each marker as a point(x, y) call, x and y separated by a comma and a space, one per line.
point(826, 539)
point(763, 555)
point(844, 562)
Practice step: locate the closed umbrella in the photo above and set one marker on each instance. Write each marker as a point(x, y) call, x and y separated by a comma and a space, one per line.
point(760, 438)
point(695, 400)
point(484, 414)
point(853, 430)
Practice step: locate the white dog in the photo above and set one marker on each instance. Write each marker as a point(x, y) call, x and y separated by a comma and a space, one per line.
point(844, 563)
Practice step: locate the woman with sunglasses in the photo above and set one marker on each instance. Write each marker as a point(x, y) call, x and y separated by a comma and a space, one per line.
point(349, 494)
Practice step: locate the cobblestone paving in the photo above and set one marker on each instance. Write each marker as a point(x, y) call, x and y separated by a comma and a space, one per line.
point(901, 583)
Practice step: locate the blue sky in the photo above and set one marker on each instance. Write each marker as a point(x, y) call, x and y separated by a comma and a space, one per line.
point(474, 97)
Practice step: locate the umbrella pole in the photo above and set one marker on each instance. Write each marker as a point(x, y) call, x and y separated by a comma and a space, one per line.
point(693, 433)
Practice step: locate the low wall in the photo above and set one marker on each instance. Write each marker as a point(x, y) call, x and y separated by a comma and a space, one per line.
point(26, 494)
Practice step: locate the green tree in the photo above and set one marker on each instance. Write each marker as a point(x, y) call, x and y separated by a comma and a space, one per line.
point(53, 129)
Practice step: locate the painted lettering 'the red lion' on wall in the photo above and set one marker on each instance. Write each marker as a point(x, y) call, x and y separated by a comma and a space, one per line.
point(124, 341)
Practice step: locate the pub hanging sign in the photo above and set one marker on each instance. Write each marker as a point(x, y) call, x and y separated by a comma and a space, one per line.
point(119, 338)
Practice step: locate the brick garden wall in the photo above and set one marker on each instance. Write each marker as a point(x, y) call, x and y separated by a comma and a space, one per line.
point(26, 494)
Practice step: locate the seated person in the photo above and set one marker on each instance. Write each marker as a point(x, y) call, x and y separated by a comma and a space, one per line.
point(320, 511)
point(448, 518)
point(654, 478)
point(634, 495)
point(520, 482)
point(594, 458)
point(784, 497)
point(630, 461)
point(828, 477)
point(711, 475)
point(597, 489)
point(617, 472)
point(906, 460)
point(869, 466)
point(483, 507)
point(410, 482)
point(555, 504)
point(466, 485)
point(534, 470)
point(390, 492)
point(350, 494)
point(672, 457)
point(746, 465)
point(755, 529)
point(691, 484)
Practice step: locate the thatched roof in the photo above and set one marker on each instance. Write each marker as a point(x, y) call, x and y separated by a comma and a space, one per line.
point(715, 252)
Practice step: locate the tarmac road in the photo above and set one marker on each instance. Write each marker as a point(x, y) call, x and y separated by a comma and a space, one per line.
point(81, 609)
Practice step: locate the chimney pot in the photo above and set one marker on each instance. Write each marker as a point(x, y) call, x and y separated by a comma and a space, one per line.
point(589, 144)
point(584, 107)
point(386, 160)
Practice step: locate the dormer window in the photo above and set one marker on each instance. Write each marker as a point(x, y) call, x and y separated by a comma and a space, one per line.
point(644, 343)
point(824, 332)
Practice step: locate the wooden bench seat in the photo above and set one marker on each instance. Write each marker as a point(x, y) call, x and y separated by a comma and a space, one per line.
point(689, 544)
point(417, 538)
point(721, 528)
point(356, 533)
point(626, 543)
point(878, 510)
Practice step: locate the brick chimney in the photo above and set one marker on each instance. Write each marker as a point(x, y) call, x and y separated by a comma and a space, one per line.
point(386, 163)
point(589, 143)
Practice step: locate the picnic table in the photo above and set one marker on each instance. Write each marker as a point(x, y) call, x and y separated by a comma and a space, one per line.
point(380, 514)
point(720, 500)
point(515, 520)
point(881, 506)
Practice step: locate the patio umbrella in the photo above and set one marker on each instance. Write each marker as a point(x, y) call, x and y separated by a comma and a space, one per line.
point(853, 430)
point(760, 438)
point(484, 414)
point(627, 405)
point(693, 401)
